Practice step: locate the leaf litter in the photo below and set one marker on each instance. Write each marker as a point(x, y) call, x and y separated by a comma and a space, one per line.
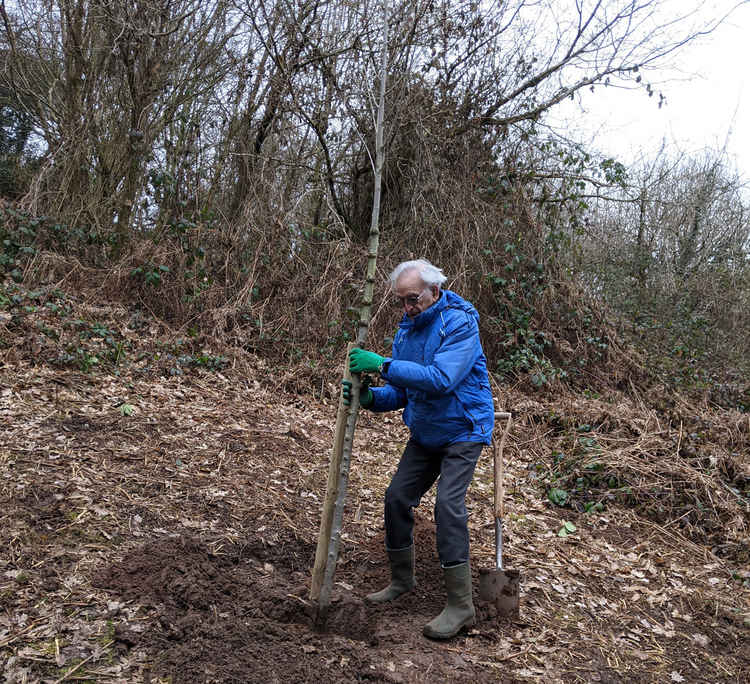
point(173, 539)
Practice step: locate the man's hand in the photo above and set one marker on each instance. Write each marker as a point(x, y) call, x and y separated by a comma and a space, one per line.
point(363, 361)
point(366, 397)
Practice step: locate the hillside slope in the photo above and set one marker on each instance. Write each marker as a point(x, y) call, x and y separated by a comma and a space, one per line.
point(161, 495)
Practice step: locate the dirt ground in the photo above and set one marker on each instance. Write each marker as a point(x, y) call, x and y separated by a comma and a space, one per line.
point(199, 572)
point(174, 542)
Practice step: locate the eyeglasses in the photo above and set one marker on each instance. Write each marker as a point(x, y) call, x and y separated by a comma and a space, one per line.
point(409, 300)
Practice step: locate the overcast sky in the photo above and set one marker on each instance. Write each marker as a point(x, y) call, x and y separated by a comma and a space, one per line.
point(707, 103)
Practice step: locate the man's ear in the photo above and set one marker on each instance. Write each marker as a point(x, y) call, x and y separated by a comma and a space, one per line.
point(435, 291)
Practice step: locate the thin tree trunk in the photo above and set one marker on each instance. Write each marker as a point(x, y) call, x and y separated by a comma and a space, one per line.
point(337, 514)
point(326, 519)
point(640, 250)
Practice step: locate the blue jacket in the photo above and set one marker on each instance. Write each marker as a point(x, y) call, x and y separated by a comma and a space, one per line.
point(438, 374)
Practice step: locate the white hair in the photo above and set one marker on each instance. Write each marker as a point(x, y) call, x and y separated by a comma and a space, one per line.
point(431, 275)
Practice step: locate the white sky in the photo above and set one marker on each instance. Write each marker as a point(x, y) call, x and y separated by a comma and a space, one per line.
point(707, 103)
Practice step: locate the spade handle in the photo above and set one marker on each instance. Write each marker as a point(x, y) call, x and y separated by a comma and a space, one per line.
point(498, 457)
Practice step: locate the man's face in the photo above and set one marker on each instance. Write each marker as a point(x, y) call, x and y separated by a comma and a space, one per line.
point(413, 295)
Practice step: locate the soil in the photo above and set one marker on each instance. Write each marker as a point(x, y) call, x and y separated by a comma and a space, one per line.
point(242, 615)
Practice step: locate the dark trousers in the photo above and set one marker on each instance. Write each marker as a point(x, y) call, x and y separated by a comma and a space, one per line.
point(417, 471)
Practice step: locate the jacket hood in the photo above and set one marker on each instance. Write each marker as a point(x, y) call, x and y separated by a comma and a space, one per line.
point(457, 302)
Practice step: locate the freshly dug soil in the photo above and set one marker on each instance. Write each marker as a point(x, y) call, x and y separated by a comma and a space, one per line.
point(241, 614)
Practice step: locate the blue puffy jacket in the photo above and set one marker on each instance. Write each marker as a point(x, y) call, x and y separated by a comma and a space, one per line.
point(438, 375)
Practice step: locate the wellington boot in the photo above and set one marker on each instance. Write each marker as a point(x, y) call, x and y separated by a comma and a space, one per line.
point(402, 576)
point(459, 610)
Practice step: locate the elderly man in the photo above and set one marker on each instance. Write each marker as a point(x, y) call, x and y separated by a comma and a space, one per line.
point(437, 373)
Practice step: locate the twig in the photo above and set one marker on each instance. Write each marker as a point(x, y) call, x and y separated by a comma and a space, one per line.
point(510, 656)
point(11, 639)
point(97, 653)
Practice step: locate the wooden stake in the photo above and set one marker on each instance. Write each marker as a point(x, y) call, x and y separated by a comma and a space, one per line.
point(337, 493)
point(331, 490)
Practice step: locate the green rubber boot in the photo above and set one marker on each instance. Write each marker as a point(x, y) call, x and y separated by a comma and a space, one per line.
point(402, 576)
point(459, 610)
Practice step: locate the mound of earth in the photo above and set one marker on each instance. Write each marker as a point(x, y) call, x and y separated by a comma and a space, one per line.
point(241, 613)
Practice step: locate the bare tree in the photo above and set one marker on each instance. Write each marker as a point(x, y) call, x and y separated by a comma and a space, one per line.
point(256, 120)
point(669, 251)
point(104, 80)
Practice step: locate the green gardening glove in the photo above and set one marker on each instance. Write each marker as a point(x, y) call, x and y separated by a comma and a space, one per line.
point(363, 361)
point(366, 397)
